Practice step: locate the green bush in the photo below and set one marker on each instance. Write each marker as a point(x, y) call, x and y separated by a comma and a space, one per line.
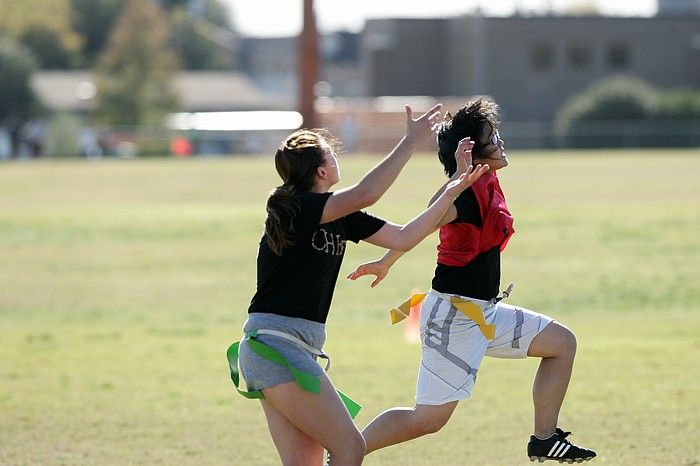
point(583, 120)
point(624, 111)
point(63, 136)
point(17, 63)
point(682, 104)
point(153, 142)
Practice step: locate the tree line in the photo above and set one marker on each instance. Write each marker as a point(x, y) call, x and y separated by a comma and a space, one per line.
point(73, 34)
point(133, 47)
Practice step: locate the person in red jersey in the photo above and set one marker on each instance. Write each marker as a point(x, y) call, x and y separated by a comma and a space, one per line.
point(463, 318)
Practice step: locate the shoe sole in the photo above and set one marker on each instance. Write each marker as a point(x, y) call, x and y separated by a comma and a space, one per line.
point(542, 459)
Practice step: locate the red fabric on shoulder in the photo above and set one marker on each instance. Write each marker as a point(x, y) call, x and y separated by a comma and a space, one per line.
point(461, 242)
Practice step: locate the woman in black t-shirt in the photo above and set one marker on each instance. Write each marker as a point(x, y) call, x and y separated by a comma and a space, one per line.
point(299, 258)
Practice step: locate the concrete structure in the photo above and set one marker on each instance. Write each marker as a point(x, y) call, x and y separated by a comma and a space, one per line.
point(529, 65)
point(678, 7)
point(272, 64)
point(199, 91)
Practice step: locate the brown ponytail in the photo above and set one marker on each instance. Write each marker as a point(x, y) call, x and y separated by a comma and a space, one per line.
point(296, 161)
point(282, 207)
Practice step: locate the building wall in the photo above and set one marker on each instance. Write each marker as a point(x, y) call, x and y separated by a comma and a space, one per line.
point(529, 65)
point(581, 51)
point(406, 56)
point(678, 7)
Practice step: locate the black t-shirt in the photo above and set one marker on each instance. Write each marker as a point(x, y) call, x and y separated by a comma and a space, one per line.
point(480, 278)
point(300, 282)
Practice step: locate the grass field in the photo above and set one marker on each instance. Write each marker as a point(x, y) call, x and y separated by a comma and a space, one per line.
point(123, 282)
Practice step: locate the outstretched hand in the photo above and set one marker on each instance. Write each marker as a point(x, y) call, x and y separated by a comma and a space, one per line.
point(466, 179)
point(376, 268)
point(420, 128)
point(463, 155)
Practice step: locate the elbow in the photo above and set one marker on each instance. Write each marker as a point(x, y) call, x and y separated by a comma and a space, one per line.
point(368, 197)
point(405, 242)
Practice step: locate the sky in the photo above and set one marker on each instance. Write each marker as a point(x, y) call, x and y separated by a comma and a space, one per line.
point(271, 18)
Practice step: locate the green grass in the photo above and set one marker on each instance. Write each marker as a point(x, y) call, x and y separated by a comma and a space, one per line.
point(123, 282)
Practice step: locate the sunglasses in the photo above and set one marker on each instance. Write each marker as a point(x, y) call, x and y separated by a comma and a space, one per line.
point(485, 150)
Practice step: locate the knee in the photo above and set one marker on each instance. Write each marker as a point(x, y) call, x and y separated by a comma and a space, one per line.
point(429, 425)
point(353, 450)
point(568, 343)
point(358, 447)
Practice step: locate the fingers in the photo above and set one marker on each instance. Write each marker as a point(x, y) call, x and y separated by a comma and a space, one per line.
point(418, 125)
point(432, 115)
point(465, 146)
point(477, 172)
point(357, 273)
point(463, 154)
point(465, 143)
point(376, 282)
point(435, 111)
point(434, 119)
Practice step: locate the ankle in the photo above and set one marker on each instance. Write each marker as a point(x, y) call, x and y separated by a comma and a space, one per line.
point(544, 434)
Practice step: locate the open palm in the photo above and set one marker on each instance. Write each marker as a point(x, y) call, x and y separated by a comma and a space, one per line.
point(376, 268)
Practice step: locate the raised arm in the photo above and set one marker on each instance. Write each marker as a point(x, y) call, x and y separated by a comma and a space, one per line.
point(405, 237)
point(380, 268)
point(375, 183)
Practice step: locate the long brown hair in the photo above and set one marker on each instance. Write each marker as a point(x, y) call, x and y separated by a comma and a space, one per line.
point(296, 161)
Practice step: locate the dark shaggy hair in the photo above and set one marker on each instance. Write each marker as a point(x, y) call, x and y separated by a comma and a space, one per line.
point(470, 121)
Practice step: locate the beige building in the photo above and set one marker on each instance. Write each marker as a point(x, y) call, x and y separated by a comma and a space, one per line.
point(529, 65)
point(678, 7)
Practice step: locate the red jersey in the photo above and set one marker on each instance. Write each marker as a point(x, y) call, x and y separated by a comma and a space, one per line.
point(461, 242)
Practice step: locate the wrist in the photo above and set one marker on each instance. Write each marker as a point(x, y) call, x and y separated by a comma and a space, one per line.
point(409, 142)
point(450, 196)
point(387, 262)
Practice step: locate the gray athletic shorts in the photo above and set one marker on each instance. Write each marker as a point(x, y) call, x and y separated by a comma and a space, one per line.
point(453, 345)
point(259, 372)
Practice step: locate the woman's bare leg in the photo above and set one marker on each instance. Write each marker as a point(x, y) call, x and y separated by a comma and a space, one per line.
point(303, 423)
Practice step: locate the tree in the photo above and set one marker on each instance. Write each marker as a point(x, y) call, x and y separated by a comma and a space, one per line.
point(204, 36)
point(135, 71)
point(45, 27)
point(46, 45)
point(93, 20)
point(17, 64)
point(617, 98)
point(17, 100)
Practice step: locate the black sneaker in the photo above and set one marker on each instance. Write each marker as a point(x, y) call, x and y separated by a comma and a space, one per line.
point(557, 448)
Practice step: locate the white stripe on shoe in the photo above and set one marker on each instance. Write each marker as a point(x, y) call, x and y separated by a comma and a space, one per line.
point(565, 450)
point(558, 451)
point(554, 447)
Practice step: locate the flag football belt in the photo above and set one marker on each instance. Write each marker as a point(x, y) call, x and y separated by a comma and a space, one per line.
point(310, 383)
point(465, 306)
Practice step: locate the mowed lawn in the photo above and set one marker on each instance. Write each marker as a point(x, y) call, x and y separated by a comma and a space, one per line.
point(122, 283)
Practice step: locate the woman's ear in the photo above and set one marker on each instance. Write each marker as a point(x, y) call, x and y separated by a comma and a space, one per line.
point(321, 173)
